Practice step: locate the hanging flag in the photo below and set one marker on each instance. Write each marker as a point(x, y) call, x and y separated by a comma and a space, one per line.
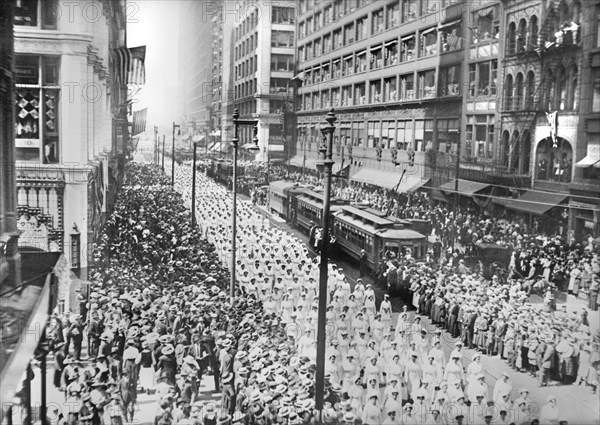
point(137, 73)
point(552, 121)
point(139, 121)
point(129, 65)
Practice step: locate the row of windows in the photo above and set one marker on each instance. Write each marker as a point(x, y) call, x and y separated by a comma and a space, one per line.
point(356, 237)
point(246, 68)
point(407, 87)
point(246, 89)
point(380, 20)
point(430, 42)
point(39, 14)
point(246, 47)
point(249, 24)
point(282, 38)
point(524, 38)
point(417, 135)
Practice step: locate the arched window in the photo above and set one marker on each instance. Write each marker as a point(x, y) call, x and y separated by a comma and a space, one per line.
point(561, 89)
point(525, 152)
point(554, 163)
point(508, 93)
point(532, 41)
point(510, 38)
point(573, 89)
point(514, 150)
point(505, 147)
point(522, 36)
point(518, 100)
point(530, 91)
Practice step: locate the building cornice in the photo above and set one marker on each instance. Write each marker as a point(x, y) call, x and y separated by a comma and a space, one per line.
point(52, 42)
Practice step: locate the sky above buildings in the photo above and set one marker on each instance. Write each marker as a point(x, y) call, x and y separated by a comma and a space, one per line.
point(155, 24)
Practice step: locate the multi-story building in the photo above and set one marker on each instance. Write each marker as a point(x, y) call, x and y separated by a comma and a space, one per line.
point(392, 71)
point(549, 133)
point(195, 67)
point(263, 68)
point(70, 122)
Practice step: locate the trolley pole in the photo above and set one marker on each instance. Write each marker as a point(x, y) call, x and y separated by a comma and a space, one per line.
point(326, 164)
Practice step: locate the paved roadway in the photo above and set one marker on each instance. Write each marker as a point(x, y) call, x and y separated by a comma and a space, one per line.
point(577, 403)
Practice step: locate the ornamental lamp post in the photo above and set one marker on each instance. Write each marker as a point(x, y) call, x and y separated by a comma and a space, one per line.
point(324, 165)
point(178, 127)
point(196, 145)
point(253, 146)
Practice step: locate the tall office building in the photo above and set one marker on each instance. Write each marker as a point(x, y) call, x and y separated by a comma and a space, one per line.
point(392, 71)
point(195, 67)
point(263, 67)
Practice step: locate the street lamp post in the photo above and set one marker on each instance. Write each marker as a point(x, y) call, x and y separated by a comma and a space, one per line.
point(175, 126)
point(251, 146)
point(325, 165)
point(163, 154)
point(194, 187)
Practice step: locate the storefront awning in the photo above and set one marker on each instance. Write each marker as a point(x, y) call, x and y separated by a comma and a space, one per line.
point(465, 187)
point(298, 161)
point(535, 202)
point(589, 161)
point(389, 180)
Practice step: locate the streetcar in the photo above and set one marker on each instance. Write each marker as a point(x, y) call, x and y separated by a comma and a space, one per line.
point(356, 228)
point(309, 209)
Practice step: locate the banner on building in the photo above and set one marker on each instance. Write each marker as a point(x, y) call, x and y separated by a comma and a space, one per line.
point(552, 121)
point(139, 121)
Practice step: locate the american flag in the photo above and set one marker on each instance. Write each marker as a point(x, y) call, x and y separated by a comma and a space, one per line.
point(129, 65)
point(139, 121)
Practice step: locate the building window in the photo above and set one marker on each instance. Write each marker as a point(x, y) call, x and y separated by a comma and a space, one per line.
point(573, 89)
point(407, 48)
point(428, 45)
point(483, 79)
point(358, 134)
point(349, 34)
point(532, 40)
point(361, 28)
point(511, 35)
point(347, 96)
point(361, 61)
point(393, 15)
point(530, 91)
point(410, 10)
point(282, 62)
point(375, 91)
point(450, 81)
point(336, 98)
point(480, 136)
point(327, 43)
point(596, 90)
point(337, 68)
point(518, 101)
point(426, 84)
point(448, 135)
point(36, 108)
point(521, 38)
point(487, 25)
point(508, 93)
point(376, 57)
point(337, 39)
point(359, 94)
point(407, 87)
point(377, 22)
point(391, 52)
point(282, 38)
point(451, 37)
point(429, 6)
point(34, 13)
point(405, 134)
point(390, 89)
point(561, 88)
point(282, 15)
point(348, 66)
